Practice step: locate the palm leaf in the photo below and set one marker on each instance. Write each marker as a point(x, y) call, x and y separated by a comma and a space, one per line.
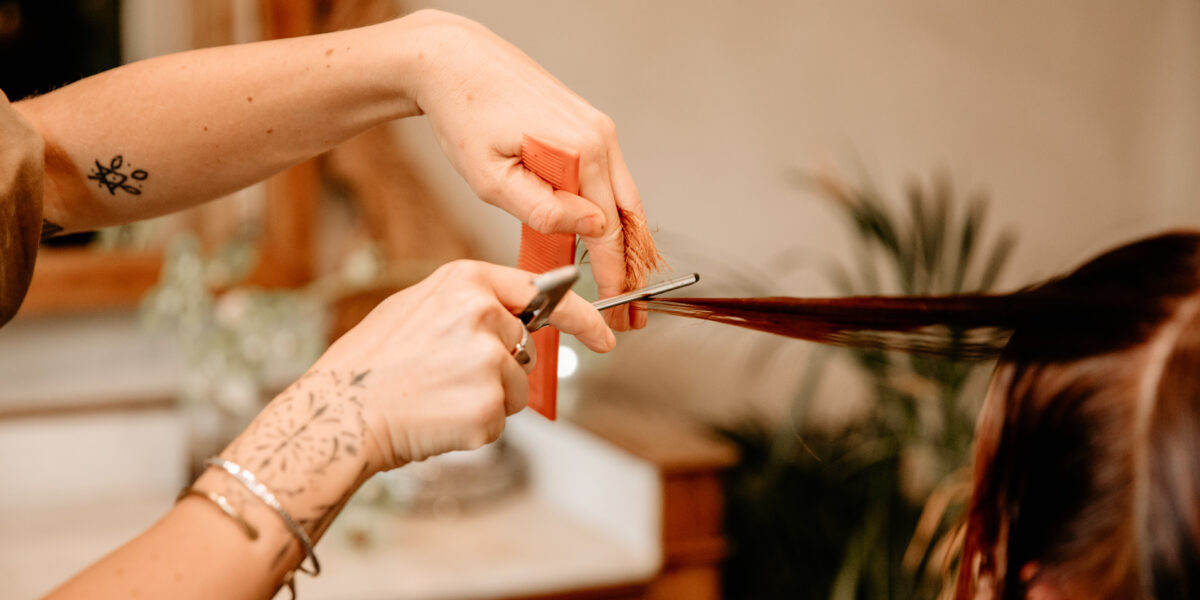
point(1000, 253)
point(936, 232)
point(972, 224)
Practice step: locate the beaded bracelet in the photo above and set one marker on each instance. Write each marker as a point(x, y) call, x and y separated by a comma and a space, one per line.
point(257, 488)
point(225, 507)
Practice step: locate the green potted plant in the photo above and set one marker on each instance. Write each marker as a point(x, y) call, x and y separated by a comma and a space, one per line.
point(872, 510)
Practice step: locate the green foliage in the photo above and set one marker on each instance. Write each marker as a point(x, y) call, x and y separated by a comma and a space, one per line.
point(871, 511)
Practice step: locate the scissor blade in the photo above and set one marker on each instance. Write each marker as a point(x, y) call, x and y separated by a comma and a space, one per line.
point(647, 292)
point(552, 286)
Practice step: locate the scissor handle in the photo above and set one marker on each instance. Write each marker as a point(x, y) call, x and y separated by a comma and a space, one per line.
point(551, 286)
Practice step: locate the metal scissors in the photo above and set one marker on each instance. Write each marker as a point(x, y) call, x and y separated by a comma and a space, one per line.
point(554, 284)
point(551, 287)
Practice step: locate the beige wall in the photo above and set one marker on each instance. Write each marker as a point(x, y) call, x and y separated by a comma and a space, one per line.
point(1082, 119)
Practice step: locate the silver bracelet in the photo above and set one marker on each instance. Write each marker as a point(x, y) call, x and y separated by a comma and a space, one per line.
point(257, 488)
point(223, 503)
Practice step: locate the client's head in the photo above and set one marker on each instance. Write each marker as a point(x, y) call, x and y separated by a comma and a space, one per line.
point(1087, 464)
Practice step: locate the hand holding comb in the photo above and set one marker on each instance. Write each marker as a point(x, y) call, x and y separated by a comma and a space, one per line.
point(541, 252)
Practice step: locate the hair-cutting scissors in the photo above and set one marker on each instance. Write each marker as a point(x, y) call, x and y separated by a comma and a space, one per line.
point(554, 284)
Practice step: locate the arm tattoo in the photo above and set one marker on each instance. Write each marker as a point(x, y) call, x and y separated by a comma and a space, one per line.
point(50, 230)
point(114, 179)
point(313, 426)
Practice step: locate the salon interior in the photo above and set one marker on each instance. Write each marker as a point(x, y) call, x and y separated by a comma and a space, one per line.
point(1007, 142)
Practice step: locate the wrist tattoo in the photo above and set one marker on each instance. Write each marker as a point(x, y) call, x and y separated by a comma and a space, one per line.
point(50, 230)
point(114, 179)
point(316, 423)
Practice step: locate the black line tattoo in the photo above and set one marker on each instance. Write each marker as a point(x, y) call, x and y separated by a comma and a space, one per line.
point(112, 178)
point(329, 511)
point(50, 230)
point(324, 518)
point(317, 422)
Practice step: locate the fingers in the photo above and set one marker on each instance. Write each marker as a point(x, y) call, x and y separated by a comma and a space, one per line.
point(515, 380)
point(579, 318)
point(630, 201)
point(514, 289)
point(498, 321)
point(607, 191)
point(624, 189)
point(593, 215)
point(607, 256)
point(524, 352)
point(514, 375)
point(606, 250)
point(536, 203)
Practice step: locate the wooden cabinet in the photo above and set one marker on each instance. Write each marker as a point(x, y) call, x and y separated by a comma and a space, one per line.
point(691, 463)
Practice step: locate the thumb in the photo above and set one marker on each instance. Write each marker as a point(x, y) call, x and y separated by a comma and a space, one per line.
point(547, 210)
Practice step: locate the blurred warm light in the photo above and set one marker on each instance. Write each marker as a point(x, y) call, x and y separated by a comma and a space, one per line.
point(568, 362)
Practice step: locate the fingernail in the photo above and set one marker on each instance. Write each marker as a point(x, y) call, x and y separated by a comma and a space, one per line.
point(612, 339)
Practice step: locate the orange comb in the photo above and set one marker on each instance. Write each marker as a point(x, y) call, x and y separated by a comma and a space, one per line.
point(541, 252)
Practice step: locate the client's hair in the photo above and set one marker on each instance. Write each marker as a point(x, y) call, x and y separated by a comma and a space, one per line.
point(1087, 460)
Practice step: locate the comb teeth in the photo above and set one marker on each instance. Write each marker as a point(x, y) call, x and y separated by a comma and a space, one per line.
point(551, 165)
point(558, 166)
point(540, 253)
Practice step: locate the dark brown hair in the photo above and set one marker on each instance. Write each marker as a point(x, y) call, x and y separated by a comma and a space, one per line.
point(1087, 463)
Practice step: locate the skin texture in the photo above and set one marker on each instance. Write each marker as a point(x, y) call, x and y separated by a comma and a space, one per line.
point(411, 381)
point(430, 370)
point(201, 124)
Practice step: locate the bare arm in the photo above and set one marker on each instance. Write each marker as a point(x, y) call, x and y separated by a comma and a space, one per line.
point(411, 381)
point(163, 134)
point(196, 551)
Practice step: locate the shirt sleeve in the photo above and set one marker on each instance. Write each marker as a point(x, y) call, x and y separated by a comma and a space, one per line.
point(21, 172)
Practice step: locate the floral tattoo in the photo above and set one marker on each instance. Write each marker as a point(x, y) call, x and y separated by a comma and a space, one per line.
point(315, 424)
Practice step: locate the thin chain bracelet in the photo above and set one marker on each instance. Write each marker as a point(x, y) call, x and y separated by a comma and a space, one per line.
point(257, 488)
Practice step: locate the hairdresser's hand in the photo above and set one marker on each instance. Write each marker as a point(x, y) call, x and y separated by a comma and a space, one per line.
point(481, 95)
point(442, 375)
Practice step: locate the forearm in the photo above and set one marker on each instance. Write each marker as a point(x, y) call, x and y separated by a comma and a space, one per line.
point(413, 380)
point(311, 449)
point(193, 126)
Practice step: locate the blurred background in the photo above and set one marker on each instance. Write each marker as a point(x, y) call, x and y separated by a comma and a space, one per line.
point(780, 148)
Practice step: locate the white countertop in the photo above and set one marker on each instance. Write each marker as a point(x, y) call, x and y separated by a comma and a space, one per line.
point(590, 517)
point(519, 546)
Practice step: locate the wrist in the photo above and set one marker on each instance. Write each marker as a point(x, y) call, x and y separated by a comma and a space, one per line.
point(427, 36)
point(310, 447)
point(378, 441)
